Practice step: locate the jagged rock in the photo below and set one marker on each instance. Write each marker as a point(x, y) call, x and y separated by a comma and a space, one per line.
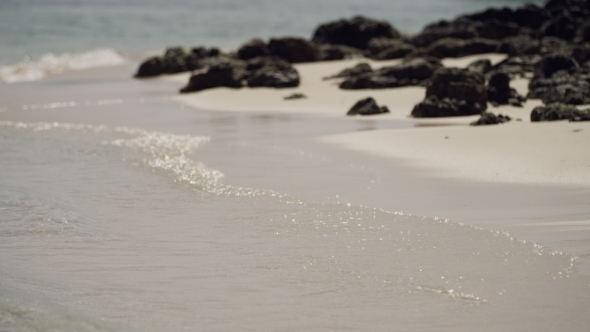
point(252, 49)
point(453, 92)
point(562, 26)
point(553, 63)
point(221, 75)
point(553, 112)
point(293, 49)
point(359, 69)
point(175, 60)
point(488, 118)
point(480, 66)
point(453, 47)
point(327, 52)
point(397, 51)
point(367, 106)
point(355, 32)
point(500, 93)
point(271, 72)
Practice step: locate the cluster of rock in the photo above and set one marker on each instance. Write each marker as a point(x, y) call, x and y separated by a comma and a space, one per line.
point(559, 111)
point(551, 44)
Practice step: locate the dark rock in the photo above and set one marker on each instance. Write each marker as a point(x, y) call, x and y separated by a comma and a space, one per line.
point(453, 47)
point(355, 32)
point(453, 92)
point(380, 44)
point(581, 115)
point(413, 72)
point(496, 29)
point(395, 52)
point(367, 106)
point(517, 65)
point(519, 45)
point(203, 52)
point(271, 72)
point(293, 49)
point(150, 67)
point(530, 16)
point(458, 29)
point(563, 26)
point(553, 112)
point(583, 32)
point(359, 69)
point(416, 70)
point(499, 14)
point(252, 49)
point(488, 118)
point(221, 75)
point(480, 66)
point(553, 63)
point(295, 96)
point(327, 52)
point(500, 93)
point(370, 82)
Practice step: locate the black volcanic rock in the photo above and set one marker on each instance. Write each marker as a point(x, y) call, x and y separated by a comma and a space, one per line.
point(458, 29)
point(293, 49)
point(359, 69)
point(481, 66)
point(327, 52)
point(453, 92)
point(355, 32)
point(367, 106)
point(395, 52)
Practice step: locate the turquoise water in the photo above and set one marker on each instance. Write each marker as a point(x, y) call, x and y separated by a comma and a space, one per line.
point(32, 28)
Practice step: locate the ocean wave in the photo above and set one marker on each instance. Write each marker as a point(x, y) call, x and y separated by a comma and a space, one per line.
point(49, 63)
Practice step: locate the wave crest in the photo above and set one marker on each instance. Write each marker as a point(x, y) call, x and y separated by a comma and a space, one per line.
point(26, 71)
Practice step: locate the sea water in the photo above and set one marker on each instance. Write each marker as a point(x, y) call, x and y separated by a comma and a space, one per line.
point(113, 219)
point(40, 37)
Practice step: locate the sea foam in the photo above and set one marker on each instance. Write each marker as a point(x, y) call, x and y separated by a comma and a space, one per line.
point(49, 63)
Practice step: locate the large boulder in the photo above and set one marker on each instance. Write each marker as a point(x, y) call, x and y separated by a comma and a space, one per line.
point(293, 49)
point(453, 92)
point(458, 29)
point(367, 106)
point(496, 29)
point(530, 16)
point(175, 60)
point(519, 45)
point(355, 32)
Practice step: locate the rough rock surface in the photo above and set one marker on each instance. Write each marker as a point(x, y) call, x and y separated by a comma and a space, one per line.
point(327, 52)
point(453, 92)
point(454, 47)
point(412, 72)
point(488, 118)
point(480, 66)
point(367, 106)
point(175, 60)
point(271, 72)
point(559, 78)
point(359, 69)
point(252, 49)
point(355, 32)
point(554, 112)
point(396, 51)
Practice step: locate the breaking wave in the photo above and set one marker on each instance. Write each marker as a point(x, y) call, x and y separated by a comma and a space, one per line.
point(27, 70)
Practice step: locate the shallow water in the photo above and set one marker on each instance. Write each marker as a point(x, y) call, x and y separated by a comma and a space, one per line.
point(112, 228)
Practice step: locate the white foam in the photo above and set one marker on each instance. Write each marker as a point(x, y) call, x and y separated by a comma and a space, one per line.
point(49, 63)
